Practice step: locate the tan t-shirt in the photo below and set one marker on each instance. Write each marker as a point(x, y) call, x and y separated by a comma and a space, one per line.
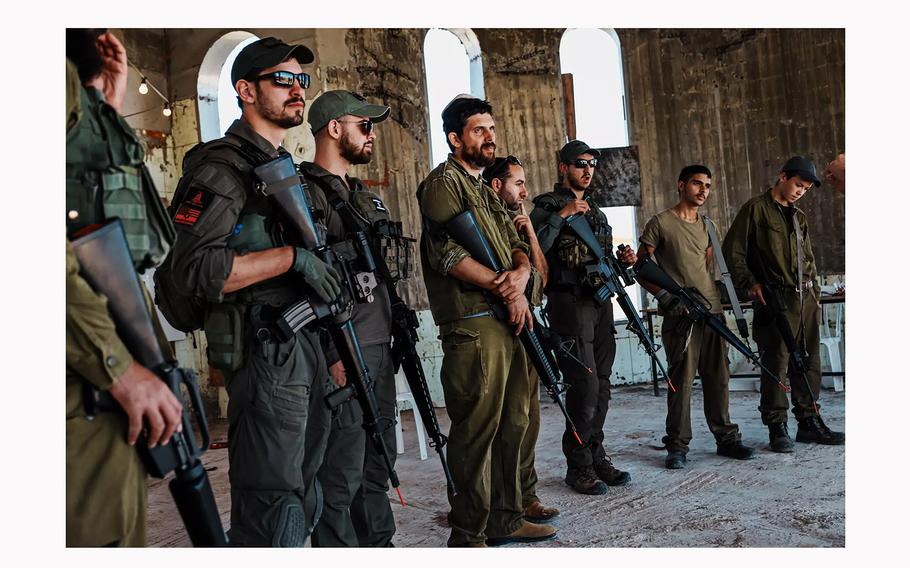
point(681, 250)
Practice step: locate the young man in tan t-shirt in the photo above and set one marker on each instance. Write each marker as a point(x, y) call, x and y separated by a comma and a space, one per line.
point(678, 239)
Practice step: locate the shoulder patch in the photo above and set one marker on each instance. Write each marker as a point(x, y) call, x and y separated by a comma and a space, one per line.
point(192, 208)
point(380, 206)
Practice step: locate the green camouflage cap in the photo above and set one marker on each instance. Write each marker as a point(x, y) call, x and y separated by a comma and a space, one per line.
point(332, 104)
point(574, 149)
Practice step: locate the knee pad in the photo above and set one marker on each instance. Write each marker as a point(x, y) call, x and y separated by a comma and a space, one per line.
point(291, 525)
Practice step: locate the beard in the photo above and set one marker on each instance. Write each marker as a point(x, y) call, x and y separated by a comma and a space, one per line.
point(83, 52)
point(476, 158)
point(354, 154)
point(578, 184)
point(278, 114)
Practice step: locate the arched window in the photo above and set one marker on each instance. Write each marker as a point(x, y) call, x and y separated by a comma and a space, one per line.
point(217, 99)
point(593, 58)
point(453, 65)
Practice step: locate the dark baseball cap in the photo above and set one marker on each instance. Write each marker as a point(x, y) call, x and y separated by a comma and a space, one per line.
point(803, 167)
point(332, 104)
point(574, 149)
point(264, 53)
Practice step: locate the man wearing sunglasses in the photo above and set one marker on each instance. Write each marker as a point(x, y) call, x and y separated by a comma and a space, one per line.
point(506, 176)
point(484, 368)
point(353, 476)
point(225, 257)
point(574, 313)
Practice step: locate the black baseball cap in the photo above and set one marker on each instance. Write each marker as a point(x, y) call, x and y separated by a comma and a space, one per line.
point(574, 149)
point(803, 167)
point(264, 53)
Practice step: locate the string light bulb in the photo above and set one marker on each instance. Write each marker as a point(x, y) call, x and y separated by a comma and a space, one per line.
point(167, 109)
point(144, 87)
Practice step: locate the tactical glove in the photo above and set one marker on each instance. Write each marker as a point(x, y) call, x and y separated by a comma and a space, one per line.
point(320, 276)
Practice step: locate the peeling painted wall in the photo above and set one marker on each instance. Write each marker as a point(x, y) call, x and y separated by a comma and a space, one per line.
point(523, 83)
point(740, 102)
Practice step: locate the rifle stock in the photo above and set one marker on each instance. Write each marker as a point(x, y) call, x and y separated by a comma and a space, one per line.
point(105, 262)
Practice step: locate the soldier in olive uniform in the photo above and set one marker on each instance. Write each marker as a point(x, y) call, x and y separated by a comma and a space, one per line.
point(768, 245)
point(507, 178)
point(678, 238)
point(353, 475)
point(105, 480)
point(574, 313)
point(484, 368)
point(227, 257)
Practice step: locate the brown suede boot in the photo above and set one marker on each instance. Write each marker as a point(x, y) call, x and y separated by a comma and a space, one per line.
point(537, 513)
point(527, 532)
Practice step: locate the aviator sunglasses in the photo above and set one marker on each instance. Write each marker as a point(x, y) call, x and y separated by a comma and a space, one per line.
point(286, 79)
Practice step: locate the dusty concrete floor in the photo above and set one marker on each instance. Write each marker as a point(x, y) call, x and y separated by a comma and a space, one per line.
point(775, 500)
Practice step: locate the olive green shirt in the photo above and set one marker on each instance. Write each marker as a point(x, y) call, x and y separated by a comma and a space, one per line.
point(681, 249)
point(446, 192)
point(761, 228)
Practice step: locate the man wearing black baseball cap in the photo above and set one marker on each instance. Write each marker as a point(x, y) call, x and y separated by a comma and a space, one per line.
point(574, 313)
point(770, 255)
point(353, 475)
point(227, 257)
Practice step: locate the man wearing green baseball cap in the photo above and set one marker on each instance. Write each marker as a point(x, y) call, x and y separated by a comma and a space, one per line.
point(353, 475)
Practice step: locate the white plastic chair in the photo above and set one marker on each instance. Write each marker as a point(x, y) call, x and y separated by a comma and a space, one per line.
point(831, 343)
point(403, 394)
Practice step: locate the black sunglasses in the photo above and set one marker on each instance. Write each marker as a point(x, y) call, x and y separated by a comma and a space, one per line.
point(582, 163)
point(286, 79)
point(366, 125)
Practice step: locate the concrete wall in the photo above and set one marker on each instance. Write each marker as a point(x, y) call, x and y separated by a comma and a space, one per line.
point(740, 101)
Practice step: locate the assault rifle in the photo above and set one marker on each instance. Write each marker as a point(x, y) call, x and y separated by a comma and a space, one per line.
point(798, 356)
point(610, 278)
point(465, 231)
point(106, 264)
point(649, 270)
point(353, 260)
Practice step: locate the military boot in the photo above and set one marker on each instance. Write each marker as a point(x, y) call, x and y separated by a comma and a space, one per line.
point(527, 532)
point(675, 460)
point(609, 474)
point(735, 450)
point(779, 438)
point(584, 480)
point(813, 430)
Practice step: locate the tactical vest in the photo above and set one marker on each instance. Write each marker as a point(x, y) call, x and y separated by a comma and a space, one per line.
point(368, 213)
point(106, 178)
point(568, 256)
point(188, 313)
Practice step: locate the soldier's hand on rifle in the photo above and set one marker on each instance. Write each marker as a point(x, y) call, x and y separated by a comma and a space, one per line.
point(523, 225)
point(520, 314)
point(671, 305)
point(575, 206)
point(756, 294)
point(320, 276)
point(512, 283)
point(336, 370)
point(144, 395)
point(627, 256)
